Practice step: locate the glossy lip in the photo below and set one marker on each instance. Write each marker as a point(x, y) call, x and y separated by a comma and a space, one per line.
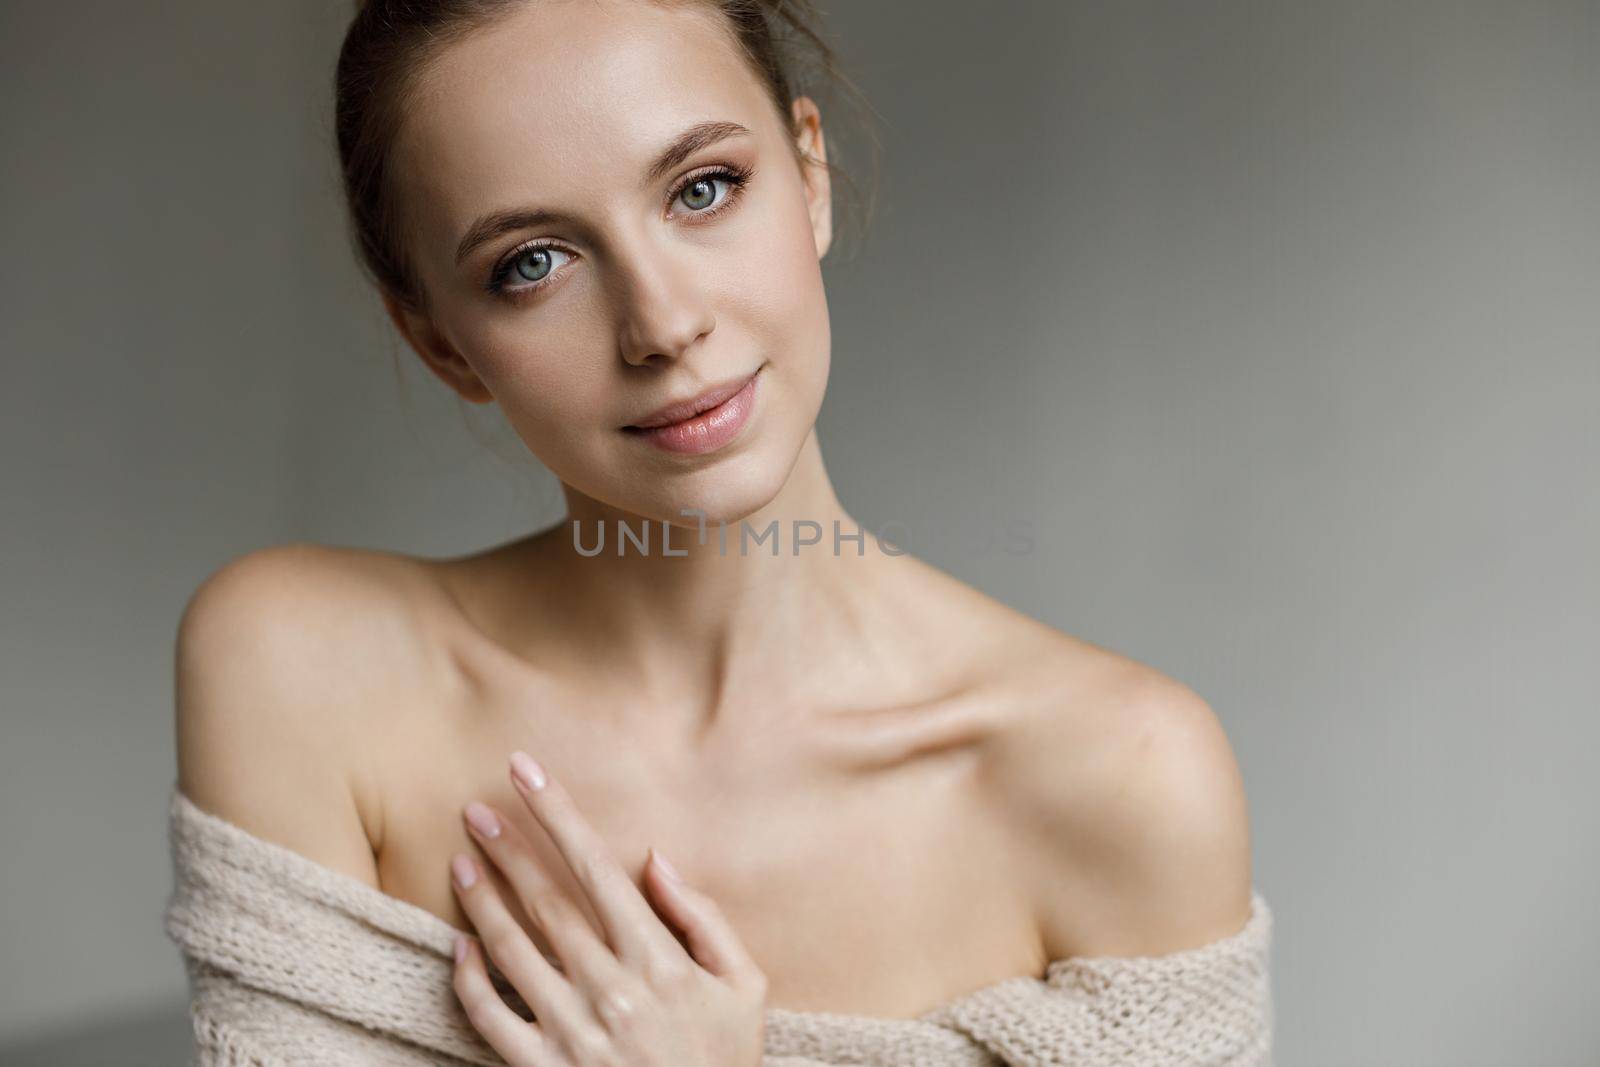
point(708, 431)
point(682, 410)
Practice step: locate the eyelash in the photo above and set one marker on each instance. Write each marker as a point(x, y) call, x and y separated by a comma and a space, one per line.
point(736, 176)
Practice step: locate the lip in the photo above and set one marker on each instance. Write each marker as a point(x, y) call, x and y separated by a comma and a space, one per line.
point(704, 424)
point(682, 410)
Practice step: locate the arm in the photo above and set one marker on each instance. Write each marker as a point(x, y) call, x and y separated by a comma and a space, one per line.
point(262, 741)
point(1133, 814)
point(1135, 842)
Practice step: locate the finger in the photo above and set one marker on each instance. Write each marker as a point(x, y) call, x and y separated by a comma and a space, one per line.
point(631, 926)
point(713, 942)
point(587, 960)
point(518, 1042)
point(561, 1012)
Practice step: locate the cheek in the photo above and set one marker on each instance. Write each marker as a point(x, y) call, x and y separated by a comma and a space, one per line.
point(542, 361)
point(770, 279)
point(547, 380)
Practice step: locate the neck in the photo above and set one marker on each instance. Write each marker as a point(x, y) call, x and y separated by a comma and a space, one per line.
point(713, 625)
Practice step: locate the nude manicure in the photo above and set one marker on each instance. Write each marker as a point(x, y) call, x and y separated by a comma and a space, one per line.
point(527, 770)
point(483, 820)
point(465, 874)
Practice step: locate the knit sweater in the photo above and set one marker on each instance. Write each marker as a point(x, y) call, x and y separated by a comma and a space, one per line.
point(290, 962)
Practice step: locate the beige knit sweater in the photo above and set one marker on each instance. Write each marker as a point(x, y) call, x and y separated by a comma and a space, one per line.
point(293, 963)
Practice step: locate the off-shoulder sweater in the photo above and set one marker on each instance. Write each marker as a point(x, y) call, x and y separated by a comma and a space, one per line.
point(290, 962)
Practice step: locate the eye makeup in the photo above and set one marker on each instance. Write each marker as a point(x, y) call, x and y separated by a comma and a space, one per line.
point(735, 176)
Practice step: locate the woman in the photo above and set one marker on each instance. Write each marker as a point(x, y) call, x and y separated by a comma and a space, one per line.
point(885, 792)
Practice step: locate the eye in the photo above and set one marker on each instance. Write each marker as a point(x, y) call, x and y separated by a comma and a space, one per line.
point(531, 267)
point(699, 192)
point(531, 264)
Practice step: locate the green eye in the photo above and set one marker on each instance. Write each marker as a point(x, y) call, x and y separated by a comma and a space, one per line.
point(532, 267)
point(534, 264)
point(700, 193)
point(526, 270)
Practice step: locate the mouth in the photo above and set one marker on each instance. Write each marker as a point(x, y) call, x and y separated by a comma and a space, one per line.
point(703, 423)
point(683, 410)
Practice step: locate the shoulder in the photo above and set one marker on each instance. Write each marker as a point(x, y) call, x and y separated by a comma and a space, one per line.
point(283, 657)
point(1129, 808)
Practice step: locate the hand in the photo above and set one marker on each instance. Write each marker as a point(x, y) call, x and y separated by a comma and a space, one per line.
point(639, 1001)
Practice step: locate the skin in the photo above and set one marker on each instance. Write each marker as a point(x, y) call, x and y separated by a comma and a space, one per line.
point(883, 788)
point(623, 990)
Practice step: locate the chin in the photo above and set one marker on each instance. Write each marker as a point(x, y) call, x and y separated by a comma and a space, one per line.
point(725, 492)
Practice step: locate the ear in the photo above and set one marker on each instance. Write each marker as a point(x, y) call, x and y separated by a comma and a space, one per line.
point(436, 352)
point(819, 190)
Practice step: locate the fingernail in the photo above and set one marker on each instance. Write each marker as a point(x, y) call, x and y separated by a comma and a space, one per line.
point(461, 948)
point(463, 870)
point(483, 820)
point(666, 868)
point(527, 770)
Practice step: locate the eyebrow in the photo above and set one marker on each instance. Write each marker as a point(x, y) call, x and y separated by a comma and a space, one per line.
point(700, 135)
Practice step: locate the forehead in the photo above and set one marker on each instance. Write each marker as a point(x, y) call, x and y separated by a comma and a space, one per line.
point(562, 103)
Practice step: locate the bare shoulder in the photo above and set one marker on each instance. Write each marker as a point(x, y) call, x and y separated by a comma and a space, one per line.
point(283, 656)
point(1128, 805)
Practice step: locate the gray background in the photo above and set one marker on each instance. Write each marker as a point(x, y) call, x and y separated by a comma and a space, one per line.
point(1280, 323)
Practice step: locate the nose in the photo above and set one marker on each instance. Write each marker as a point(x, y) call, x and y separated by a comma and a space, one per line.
point(664, 310)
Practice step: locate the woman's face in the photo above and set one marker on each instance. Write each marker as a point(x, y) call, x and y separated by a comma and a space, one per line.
point(642, 287)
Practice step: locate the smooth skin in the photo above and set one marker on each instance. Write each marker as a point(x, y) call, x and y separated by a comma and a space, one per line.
point(892, 789)
point(634, 995)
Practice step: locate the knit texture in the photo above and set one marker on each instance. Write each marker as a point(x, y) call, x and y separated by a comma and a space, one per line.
point(293, 963)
